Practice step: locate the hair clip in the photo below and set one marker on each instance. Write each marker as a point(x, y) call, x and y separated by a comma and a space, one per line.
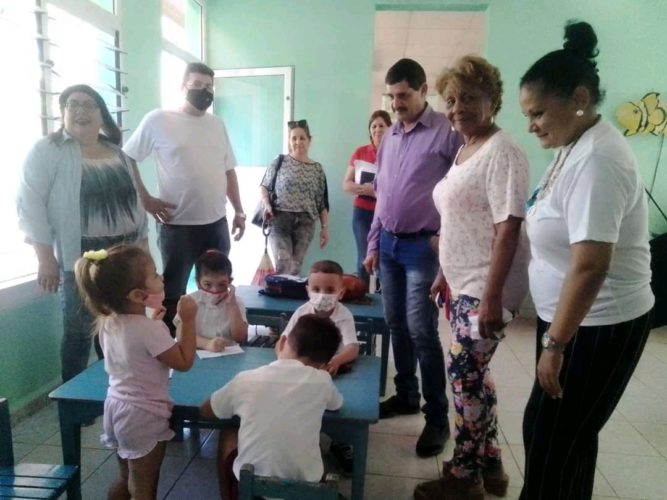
point(96, 255)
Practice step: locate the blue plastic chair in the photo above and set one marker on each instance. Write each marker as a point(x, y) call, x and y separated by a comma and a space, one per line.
point(32, 480)
point(252, 486)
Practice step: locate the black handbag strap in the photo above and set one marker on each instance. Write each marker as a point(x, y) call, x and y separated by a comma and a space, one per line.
point(275, 173)
point(655, 174)
point(655, 203)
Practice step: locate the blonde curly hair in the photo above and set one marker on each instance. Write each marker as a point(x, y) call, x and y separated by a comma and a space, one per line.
point(474, 71)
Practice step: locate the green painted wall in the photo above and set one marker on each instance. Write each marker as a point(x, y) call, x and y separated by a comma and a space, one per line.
point(632, 40)
point(141, 38)
point(29, 350)
point(330, 45)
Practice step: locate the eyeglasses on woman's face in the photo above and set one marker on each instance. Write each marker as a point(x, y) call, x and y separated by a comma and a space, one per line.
point(297, 124)
point(88, 106)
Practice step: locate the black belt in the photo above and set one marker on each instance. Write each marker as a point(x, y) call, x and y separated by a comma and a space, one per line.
point(424, 233)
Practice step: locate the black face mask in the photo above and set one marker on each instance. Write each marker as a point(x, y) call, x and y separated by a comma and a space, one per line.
point(200, 98)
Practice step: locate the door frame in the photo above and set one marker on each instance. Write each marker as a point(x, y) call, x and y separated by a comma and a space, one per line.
point(287, 72)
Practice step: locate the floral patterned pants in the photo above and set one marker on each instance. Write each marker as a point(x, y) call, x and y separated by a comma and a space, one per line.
point(291, 234)
point(474, 393)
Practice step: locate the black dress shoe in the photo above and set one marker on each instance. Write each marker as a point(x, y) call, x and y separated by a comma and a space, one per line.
point(344, 455)
point(432, 440)
point(394, 406)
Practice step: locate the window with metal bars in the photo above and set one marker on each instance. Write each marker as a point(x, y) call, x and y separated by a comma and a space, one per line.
point(48, 45)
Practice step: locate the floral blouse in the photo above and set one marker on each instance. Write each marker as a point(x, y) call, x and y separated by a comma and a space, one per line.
point(300, 187)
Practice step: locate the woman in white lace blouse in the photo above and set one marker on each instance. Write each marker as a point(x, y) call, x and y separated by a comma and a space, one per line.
point(483, 266)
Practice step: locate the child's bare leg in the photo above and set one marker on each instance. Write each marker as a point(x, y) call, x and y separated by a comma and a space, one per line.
point(118, 490)
point(228, 441)
point(144, 473)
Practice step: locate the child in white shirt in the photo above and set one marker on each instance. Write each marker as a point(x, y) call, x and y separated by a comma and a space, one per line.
point(280, 406)
point(325, 289)
point(221, 316)
point(117, 286)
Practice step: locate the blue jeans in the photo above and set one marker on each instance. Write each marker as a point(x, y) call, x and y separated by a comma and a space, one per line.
point(78, 331)
point(408, 268)
point(78, 322)
point(361, 224)
point(180, 247)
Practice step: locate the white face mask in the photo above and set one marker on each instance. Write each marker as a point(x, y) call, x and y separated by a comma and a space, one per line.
point(323, 302)
point(212, 298)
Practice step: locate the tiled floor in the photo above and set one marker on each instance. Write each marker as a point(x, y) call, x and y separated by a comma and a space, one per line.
point(632, 461)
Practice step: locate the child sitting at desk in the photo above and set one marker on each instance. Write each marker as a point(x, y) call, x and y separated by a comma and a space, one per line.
point(221, 317)
point(280, 406)
point(325, 289)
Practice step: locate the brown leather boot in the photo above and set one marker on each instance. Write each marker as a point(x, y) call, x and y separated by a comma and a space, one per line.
point(450, 487)
point(495, 480)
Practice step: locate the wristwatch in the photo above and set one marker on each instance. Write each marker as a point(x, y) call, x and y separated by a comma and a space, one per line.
point(241, 215)
point(550, 344)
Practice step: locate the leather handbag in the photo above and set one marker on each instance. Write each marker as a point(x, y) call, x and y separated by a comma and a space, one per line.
point(285, 286)
point(258, 214)
point(355, 288)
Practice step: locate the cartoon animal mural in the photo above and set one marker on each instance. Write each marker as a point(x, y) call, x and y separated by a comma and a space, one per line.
point(646, 116)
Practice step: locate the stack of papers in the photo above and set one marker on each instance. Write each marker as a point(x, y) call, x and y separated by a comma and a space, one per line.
point(229, 350)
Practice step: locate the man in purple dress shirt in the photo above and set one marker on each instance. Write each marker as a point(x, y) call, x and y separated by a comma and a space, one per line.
point(415, 154)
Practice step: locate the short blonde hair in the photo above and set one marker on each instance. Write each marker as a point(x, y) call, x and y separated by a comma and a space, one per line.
point(474, 71)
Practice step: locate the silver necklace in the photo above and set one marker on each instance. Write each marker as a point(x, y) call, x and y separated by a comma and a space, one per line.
point(550, 178)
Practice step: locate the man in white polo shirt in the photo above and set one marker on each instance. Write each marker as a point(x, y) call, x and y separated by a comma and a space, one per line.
point(195, 170)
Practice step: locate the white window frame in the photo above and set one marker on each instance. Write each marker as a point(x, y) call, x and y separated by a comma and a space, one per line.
point(287, 72)
point(184, 54)
point(22, 289)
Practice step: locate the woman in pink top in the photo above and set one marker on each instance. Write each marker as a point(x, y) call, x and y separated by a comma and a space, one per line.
point(117, 286)
point(358, 181)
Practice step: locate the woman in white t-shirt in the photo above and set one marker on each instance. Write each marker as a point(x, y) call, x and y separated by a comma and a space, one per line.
point(481, 202)
point(589, 272)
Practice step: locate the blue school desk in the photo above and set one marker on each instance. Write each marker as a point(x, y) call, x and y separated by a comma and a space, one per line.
point(82, 398)
point(369, 318)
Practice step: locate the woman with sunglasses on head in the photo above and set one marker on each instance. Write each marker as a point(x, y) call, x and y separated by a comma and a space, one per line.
point(358, 181)
point(76, 194)
point(589, 273)
point(299, 198)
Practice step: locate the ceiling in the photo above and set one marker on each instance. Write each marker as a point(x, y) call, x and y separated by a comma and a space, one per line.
point(435, 39)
